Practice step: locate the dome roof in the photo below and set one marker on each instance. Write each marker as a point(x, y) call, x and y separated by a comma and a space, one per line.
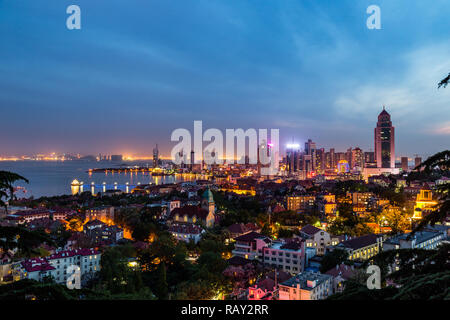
point(207, 195)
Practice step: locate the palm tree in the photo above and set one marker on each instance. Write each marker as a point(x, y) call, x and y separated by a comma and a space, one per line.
point(7, 180)
point(440, 162)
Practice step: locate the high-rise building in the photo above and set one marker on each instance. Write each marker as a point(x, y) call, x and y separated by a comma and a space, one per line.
point(357, 159)
point(155, 156)
point(348, 157)
point(369, 159)
point(333, 161)
point(417, 161)
point(384, 148)
point(404, 161)
point(384, 141)
point(320, 160)
point(310, 149)
point(292, 157)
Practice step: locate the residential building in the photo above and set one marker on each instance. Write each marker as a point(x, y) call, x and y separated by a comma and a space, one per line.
point(306, 286)
point(317, 238)
point(285, 256)
point(186, 232)
point(26, 216)
point(103, 213)
point(362, 248)
point(429, 238)
point(300, 202)
point(266, 288)
point(56, 265)
point(250, 245)
point(340, 274)
point(239, 229)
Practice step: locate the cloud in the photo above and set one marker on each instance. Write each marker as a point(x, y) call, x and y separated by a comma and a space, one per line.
point(410, 94)
point(440, 129)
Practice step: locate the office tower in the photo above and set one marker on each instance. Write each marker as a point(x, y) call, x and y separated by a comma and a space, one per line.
point(293, 157)
point(384, 141)
point(307, 163)
point(404, 161)
point(417, 161)
point(357, 159)
point(348, 157)
point(369, 159)
point(155, 156)
point(333, 158)
point(320, 160)
point(310, 149)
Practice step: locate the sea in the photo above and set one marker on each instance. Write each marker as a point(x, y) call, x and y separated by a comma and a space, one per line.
point(53, 178)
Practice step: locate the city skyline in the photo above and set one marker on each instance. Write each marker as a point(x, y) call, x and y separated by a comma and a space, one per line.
point(122, 83)
point(381, 138)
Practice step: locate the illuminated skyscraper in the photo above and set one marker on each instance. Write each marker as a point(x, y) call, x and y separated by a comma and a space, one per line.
point(384, 141)
point(155, 156)
point(310, 149)
point(357, 159)
point(292, 157)
point(369, 159)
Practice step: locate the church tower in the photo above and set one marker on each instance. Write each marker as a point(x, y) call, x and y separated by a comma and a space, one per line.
point(208, 202)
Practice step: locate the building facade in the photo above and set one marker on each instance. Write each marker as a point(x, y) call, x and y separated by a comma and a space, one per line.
point(306, 286)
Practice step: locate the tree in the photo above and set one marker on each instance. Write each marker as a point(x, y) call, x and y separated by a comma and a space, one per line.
point(421, 275)
point(332, 259)
point(24, 240)
point(76, 223)
point(7, 180)
point(439, 162)
point(444, 82)
point(161, 287)
point(266, 230)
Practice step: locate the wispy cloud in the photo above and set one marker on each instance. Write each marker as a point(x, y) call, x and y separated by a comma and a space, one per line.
point(411, 95)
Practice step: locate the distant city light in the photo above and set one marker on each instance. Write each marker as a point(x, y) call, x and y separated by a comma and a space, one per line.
point(293, 146)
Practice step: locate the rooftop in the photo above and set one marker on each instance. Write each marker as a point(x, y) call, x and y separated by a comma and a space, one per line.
point(307, 280)
point(359, 242)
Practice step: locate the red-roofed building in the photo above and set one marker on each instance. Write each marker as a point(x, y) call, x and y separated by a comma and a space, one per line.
point(239, 229)
point(340, 273)
point(192, 214)
point(250, 245)
point(27, 216)
point(57, 264)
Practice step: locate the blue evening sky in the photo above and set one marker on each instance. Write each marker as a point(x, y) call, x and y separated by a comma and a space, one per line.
point(139, 69)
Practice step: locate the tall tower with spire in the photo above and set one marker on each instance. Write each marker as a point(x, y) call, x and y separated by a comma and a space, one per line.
point(384, 141)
